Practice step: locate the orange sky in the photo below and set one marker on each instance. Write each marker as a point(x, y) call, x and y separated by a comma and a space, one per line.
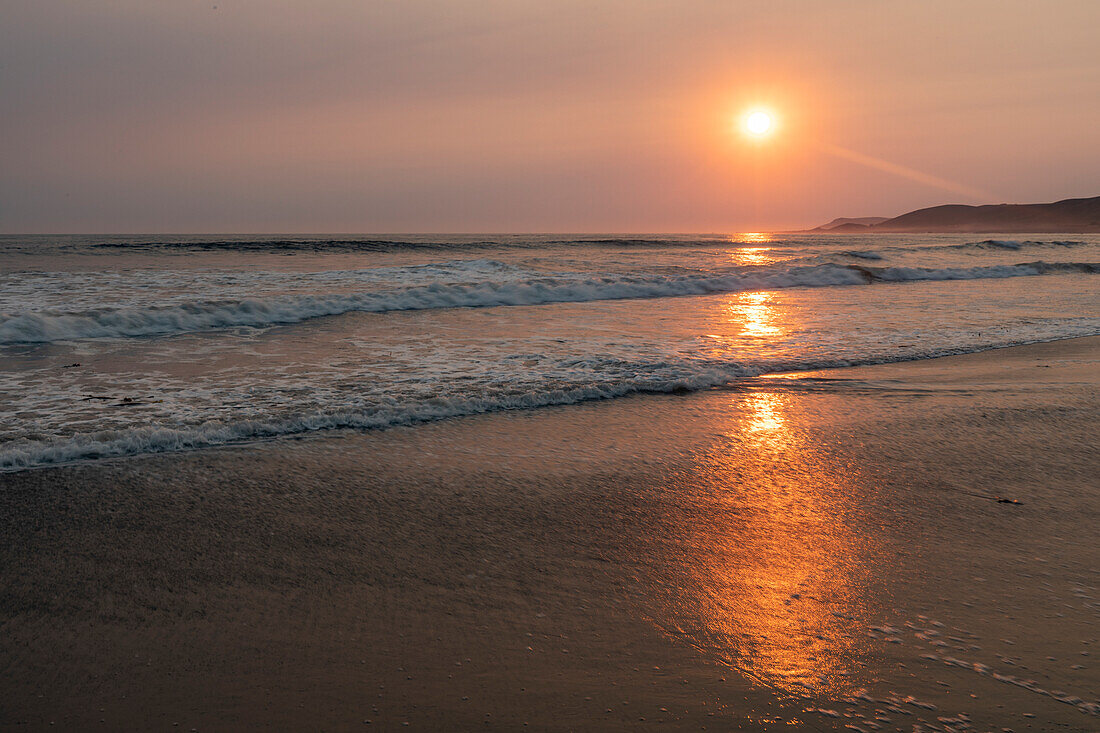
point(568, 116)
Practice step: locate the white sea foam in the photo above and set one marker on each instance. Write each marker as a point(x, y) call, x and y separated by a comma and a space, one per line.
point(104, 388)
point(157, 439)
point(50, 325)
point(593, 379)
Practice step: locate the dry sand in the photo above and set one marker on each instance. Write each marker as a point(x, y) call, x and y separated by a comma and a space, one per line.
point(809, 551)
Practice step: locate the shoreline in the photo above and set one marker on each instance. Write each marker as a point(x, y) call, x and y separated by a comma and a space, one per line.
point(724, 558)
point(414, 422)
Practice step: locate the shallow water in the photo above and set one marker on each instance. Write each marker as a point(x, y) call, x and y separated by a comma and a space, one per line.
point(823, 550)
point(125, 345)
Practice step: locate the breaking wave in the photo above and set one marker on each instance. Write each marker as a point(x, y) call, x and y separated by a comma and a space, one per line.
point(29, 453)
point(157, 439)
point(50, 326)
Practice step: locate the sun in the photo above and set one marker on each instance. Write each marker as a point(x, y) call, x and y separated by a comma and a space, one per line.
point(759, 123)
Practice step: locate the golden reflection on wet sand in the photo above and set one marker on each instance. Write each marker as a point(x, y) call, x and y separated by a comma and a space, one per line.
point(773, 572)
point(773, 575)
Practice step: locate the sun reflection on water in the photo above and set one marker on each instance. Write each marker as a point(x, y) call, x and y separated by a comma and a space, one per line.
point(750, 324)
point(753, 253)
point(752, 256)
point(756, 315)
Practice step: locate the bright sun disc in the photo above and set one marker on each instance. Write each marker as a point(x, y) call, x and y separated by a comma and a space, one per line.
point(758, 123)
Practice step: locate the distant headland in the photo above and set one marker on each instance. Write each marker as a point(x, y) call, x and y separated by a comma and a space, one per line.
point(1068, 216)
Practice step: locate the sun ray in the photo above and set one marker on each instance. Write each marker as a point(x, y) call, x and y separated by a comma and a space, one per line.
point(910, 173)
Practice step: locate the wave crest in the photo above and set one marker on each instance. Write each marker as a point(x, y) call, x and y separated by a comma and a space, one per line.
point(49, 326)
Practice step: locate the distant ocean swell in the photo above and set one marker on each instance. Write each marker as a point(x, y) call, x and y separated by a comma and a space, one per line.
point(49, 326)
point(388, 245)
point(1013, 244)
point(999, 245)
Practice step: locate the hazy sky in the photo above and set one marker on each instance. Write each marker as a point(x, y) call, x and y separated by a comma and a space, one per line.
point(547, 115)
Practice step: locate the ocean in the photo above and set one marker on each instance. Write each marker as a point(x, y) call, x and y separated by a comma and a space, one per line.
point(123, 345)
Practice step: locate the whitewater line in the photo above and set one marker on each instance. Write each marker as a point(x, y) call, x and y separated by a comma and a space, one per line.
point(46, 327)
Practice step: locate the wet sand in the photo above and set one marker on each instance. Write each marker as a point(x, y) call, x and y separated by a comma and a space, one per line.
point(808, 551)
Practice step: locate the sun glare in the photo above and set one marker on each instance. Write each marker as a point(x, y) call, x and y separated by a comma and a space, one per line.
point(758, 123)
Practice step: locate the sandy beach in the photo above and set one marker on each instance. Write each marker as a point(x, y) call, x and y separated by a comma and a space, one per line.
point(885, 547)
point(591, 366)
